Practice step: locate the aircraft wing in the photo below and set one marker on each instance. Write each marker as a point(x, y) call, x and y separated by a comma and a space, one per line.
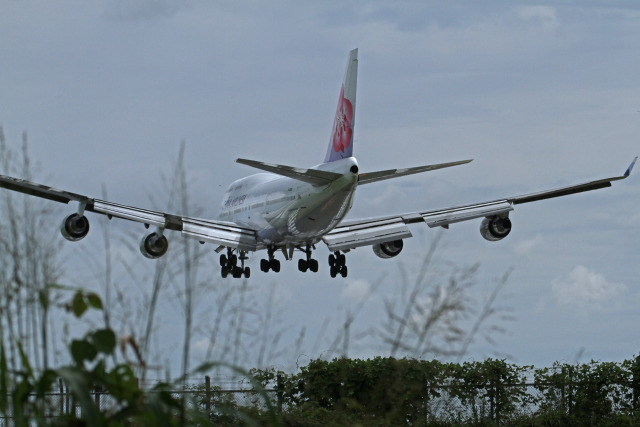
point(365, 232)
point(219, 232)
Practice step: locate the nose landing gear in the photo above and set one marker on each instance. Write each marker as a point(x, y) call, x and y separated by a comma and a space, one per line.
point(270, 264)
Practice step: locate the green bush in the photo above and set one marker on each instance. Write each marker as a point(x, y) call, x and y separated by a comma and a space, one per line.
point(89, 372)
point(374, 392)
point(388, 391)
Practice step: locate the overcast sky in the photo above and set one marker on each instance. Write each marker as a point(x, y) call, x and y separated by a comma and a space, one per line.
point(540, 94)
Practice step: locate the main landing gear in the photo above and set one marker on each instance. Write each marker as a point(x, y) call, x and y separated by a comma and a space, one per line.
point(271, 263)
point(229, 264)
point(338, 264)
point(308, 263)
point(233, 261)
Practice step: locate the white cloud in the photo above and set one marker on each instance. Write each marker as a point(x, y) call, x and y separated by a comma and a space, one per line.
point(585, 289)
point(544, 14)
point(133, 10)
point(202, 344)
point(356, 290)
point(524, 247)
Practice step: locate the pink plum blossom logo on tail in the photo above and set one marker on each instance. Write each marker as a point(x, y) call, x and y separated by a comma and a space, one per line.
point(343, 124)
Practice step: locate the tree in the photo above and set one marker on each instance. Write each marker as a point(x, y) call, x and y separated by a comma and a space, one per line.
point(30, 266)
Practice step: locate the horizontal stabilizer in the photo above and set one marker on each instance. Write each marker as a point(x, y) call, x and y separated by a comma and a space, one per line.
point(368, 177)
point(312, 176)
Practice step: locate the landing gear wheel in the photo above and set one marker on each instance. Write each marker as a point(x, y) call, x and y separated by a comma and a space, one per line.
point(338, 264)
point(333, 271)
point(308, 263)
point(313, 265)
point(237, 272)
point(271, 263)
point(229, 264)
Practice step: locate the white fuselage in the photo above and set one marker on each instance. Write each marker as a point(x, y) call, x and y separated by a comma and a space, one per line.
point(287, 212)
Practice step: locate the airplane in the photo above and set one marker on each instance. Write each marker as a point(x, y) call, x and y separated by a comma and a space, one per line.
point(290, 209)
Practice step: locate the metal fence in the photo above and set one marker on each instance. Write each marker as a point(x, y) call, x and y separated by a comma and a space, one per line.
point(444, 406)
point(201, 397)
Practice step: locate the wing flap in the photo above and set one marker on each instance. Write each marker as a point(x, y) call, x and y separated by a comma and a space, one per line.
point(366, 233)
point(222, 233)
point(128, 212)
point(443, 218)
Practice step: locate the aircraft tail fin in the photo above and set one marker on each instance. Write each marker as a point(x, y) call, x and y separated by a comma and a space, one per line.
point(341, 140)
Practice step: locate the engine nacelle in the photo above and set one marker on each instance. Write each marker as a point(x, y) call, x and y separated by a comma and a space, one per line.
point(154, 245)
point(388, 249)
point(74, 227)
point(495, 228)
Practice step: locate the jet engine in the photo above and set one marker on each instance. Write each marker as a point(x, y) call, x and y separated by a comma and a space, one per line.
point(154, 245)
point(495, 228)
point(388, 249)
point(74, 227)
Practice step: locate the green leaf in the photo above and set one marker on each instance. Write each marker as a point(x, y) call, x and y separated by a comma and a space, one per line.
point(82, 350)
point(94, 301)
point(104, 340)
point(79, 384)
point(99, 372)
point(43, 296)
point(78, 305)
point(4, 392)
point(122, 383)
point(43, 385)
point(25, 360)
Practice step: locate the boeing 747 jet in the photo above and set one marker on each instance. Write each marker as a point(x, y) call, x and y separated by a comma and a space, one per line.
point(287, 209)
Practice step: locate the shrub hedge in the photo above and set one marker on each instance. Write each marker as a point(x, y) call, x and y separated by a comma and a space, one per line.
point(388, 391)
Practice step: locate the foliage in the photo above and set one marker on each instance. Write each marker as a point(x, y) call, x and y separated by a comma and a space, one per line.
point(492, 383)
point(388, 391)
point(373, 392)
point(590, 392)
point(30, 262)
point(23, 391)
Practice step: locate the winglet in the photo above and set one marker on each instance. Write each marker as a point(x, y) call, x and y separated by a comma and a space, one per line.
point(628, 171)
